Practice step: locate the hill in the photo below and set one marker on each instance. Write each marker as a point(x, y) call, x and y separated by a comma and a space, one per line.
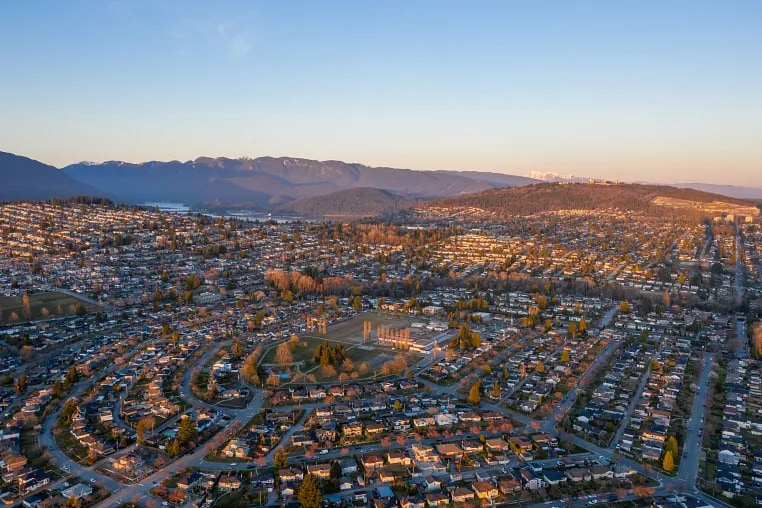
point(25, 179)
point(361, 202)
point(544, 197)
point(269, 181)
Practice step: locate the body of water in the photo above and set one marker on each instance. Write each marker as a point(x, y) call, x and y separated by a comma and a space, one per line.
point(166, 206)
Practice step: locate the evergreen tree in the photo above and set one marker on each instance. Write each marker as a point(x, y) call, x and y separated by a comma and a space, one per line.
point(186, 431)
point(68, 410)
point(71, 377)
point(58, 388)
point(309, 493)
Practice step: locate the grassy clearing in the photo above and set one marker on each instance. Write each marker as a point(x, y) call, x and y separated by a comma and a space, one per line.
point(56, 304)
point(351, 330)
point(349, 333)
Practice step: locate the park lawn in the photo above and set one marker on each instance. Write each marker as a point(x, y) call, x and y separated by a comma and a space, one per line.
point(302, 353)
point(352, 328)
point(57, 304)
point(348, 333)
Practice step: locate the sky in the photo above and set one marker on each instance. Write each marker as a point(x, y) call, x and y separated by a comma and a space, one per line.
point(635, 90)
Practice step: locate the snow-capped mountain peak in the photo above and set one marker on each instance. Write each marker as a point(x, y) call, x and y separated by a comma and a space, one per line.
point(548, 176)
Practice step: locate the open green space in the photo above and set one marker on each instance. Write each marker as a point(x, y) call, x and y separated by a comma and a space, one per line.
point(368, 359)
point(42, 306)
point(351, 330)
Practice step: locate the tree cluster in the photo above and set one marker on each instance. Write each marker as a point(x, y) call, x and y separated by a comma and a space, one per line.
point(326, 355)
point(466, 339)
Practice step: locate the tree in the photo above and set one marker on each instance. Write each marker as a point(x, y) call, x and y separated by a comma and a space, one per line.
point(309, 493)
point(475, 393)
point(625, 307)
point(280, 459)
point(72, 376)
point(173, 448)
point(249, 371)
point(26, 307)
point(756, 339)
point(283, 355)
point(58, 388)
point(669, 462)
point(539, 367)
point(565, 355)
point(582, 326)
point(27, 352)
point(237, 348)
point(672, 446)
point(357, 304)
point(144, 425)
point(68, 409)
point(734, 345)
point(495, 393)
point(21, 384)
point(186, 431)
point(79, 309)
point(572, 329)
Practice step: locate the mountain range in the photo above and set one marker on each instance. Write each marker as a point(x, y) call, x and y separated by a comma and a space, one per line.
point(24, 179)
point(268, 182)
point(285, 184)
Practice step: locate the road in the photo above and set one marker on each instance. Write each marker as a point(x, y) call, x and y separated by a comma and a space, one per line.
point(634, 400)
point(692, 447)
point(194, 459)
point(558, 413)
point(48, 443)
point(739, 269)
point(567, 402)
point(120, 493)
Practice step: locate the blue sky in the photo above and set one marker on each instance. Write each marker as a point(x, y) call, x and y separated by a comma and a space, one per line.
point(636, 90)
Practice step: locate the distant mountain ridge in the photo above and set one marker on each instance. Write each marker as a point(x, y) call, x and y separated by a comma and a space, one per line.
point(734, 191)
point(25, 179)
point(303, 186)
point(271, 182)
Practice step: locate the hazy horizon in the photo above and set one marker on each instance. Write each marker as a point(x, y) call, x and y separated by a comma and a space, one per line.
point(631, 91)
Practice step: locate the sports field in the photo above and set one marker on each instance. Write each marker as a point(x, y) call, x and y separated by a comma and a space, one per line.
point(42, 306)
point(349, 333)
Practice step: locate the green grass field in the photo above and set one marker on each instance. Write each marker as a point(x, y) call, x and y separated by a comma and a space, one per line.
point(42, 306)
point(349, 333)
